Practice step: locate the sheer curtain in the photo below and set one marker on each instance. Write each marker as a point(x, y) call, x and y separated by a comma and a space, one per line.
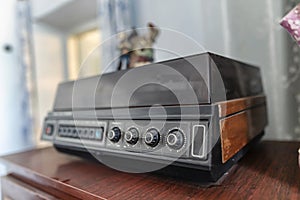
point(15, 120)
point(114, 17)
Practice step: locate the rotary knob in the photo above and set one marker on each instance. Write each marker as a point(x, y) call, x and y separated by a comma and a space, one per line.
point(114, 134)
point(152, 137)
point(175, 139)
point(132, 136)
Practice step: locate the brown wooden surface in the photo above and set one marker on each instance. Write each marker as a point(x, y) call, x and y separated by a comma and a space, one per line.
point(268, 171)
point(13, 188)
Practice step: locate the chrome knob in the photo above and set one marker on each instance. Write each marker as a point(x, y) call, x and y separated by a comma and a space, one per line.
point(114, 134)
point(175, 139)
point(152, 137)
point(132, 136)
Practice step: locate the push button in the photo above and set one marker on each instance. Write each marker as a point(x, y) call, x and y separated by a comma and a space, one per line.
point(49, 129)
point(99, 134)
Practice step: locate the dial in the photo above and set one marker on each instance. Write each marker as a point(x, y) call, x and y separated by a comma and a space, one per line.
point(152, 137)
point(175, 139)
point(132, 136)
point(114, 134)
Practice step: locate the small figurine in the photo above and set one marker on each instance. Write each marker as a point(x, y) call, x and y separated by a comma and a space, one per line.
point(291, 22)
point(136, 49)
point(125, 48)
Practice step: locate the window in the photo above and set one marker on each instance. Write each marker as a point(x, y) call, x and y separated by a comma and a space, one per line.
point(79, 47)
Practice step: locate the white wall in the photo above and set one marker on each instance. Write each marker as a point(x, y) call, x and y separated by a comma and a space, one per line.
point(48, 46)
point(197, 20)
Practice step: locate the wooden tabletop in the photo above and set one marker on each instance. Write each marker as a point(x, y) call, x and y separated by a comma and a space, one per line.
point(268, 171)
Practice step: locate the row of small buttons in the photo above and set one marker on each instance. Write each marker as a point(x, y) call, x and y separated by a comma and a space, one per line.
point(81, 132)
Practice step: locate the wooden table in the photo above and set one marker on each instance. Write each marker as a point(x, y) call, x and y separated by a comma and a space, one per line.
point(268, 171)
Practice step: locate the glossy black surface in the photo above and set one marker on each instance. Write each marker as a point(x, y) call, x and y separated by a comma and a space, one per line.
point(199, 79)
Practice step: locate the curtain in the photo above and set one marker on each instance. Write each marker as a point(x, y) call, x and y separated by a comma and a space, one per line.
point(27, 75)
point(114, 17)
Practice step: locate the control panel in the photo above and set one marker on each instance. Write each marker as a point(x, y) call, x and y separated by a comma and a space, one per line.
point(182, 139)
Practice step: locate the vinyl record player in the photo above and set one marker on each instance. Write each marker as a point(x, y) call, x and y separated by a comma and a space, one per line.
point(191, 117)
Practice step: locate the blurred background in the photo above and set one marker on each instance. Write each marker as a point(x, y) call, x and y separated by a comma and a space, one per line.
point(44, 42)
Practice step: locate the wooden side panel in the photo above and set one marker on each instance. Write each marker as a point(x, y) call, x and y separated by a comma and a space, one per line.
point(233, 106)
point(237, 130)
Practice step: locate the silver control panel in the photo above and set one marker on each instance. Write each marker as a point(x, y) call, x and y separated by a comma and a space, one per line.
point(184, 139)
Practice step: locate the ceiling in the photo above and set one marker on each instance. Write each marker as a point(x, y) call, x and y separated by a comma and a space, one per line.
point(70, 15)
